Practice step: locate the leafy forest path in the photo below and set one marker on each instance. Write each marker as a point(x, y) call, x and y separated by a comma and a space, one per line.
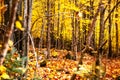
point(60, 67)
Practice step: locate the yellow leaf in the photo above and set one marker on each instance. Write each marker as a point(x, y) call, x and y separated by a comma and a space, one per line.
point(114, 76)
point(54, 53)
point(0, 45)
point(10, 42)
point(5, 76)
point(2, 69)
point(19, 26)
point(80, 14)
point(20, 18)
point(79, 73)
point(51, 76)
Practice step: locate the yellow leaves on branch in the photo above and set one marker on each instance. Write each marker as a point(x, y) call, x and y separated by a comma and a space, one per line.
point(3, 74)
point(19, 26)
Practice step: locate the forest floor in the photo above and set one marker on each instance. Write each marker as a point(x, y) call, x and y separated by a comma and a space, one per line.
point(60, 68)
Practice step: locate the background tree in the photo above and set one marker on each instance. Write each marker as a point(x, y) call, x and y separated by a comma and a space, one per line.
point(117, 32)
point(110, 25)
point(64, 19)
point(48, 42)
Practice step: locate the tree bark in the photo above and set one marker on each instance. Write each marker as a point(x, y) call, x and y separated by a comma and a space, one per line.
point(8, 33)
point(101, 40)
point(116, 24)
point(109, 33)
point(48, 28)
point(27, 26)
point(76, 35)
point(61, 35)
point(73, 33)
point(41, 36)
point(92, 25)
point(7, 13)
point(93, 44)
point(58, 26)
point(25, 23)
point(101, 35)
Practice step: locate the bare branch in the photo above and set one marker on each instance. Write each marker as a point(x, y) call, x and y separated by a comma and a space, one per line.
point(111, 12)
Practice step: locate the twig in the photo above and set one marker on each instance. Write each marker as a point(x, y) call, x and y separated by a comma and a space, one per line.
point(33, 48)
point(102, 45)
point(19, 41)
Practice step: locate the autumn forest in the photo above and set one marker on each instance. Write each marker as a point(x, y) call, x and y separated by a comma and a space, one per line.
point(59, 40)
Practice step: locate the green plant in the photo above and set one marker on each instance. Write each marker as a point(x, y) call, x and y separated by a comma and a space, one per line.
point(13, 63)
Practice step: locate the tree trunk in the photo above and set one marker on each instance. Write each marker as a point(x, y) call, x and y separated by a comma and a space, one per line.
point(41, 36)
point(109, 36)
point(61, 35)
point(90, 32)
point(48, 28)
point(76, 35)
point(79, 37)
point(91, 17)
point(101, 40)
point(116, 24)
point(101, 35)
point(27, 26)
point(73, 34)
point(92, 25)
point(53, 42)
point(10, 26)
point(7, 13)
point(17, 34)
point(58, 26)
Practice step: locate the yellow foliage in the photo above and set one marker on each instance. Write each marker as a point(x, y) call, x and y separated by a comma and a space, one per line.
point(83, 70)
point(114, 76)
point(54, 53)
point(51, 76)
point(19, 26)
point(80, 14)
point(3, 73)
point(10, 43)
point(0, 45)
point(2, 69)
point(4, 76)
point(71, 7)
